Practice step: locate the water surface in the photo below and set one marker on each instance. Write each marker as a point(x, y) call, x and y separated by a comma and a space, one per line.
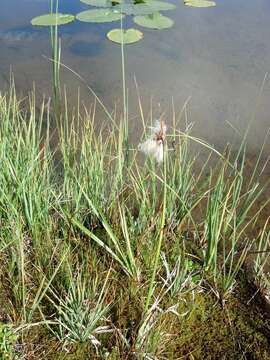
point(217, 58)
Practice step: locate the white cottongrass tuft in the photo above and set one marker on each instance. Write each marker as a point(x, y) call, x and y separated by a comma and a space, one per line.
point(154, 145)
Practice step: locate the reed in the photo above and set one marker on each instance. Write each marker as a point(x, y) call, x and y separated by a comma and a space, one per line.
point(89, 244)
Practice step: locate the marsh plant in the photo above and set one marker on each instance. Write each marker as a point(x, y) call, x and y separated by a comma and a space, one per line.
point(145, 13)
point(116, 248)
point(117, 258)
point(8, 340)
point(154, 145)
point(79, 315)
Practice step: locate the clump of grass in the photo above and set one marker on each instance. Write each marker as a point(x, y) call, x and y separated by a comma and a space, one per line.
point(79, 315)
point(161, 237)
point(7, 342)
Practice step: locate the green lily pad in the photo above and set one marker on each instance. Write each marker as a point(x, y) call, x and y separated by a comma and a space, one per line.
point(147, 8)
point(154, 21)
point(199, 3)
point(160, 5)
point(131, 9)
point(128, 36)
point(52, 19)
point(101, 3)
point(99, 16)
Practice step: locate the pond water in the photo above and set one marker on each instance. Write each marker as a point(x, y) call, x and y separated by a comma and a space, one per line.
point(215, 58)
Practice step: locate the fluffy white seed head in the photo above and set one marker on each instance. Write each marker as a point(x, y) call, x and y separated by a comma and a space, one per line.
point(153, 146)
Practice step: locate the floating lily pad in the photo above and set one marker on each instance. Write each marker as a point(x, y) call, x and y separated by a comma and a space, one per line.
point(147, 8)
point(131, 9)
point(199, 3)
point(160, 5)
point(128, 36)
point(154, 21)
point(52, 19)
point(101, 3)
point(99, 16)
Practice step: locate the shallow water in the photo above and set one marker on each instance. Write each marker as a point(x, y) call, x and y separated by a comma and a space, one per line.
point(216, 58)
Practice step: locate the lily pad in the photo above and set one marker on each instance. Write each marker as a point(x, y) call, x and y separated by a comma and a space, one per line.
point(128, 36)
point(101, 3)
point(131, 9)
point(199, 3)
point(147, 8)
point(99, 16)
point(154, 21)
point(52, 19)
point(160, 5)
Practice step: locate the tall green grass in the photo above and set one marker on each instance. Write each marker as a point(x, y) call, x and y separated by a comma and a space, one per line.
point(73, 211)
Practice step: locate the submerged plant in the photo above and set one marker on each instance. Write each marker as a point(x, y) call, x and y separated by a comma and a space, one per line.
point(53, 20)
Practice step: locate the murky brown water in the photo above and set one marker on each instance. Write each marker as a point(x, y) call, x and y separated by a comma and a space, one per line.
point(216, 57)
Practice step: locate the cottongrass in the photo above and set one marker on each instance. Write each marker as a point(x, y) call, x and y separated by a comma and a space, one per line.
point(154, 145)
point(89, 209)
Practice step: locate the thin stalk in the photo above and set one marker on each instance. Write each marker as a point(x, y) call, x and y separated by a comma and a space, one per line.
point(161, 233)
point(56, 55)
point(125, 105)
point(22, 270)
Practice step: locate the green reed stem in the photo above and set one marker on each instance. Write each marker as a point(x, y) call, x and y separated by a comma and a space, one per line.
point(56, 56)
point(125, 105)
point(161, 233)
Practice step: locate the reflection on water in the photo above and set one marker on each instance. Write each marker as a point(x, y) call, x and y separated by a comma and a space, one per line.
point(216, 57)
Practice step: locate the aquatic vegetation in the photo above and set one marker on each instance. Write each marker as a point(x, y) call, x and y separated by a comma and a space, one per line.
point(104, 255)
point(154, 145)
point(144, 8)
point(146, 13)
point(154, 21)
point(128, 36)
point(99, 16)
point(101, 3)
point(103, 258)
point(52, 19)
point(199, 3)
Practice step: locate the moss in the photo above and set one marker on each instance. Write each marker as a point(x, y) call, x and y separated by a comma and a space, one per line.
point(213, 332)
